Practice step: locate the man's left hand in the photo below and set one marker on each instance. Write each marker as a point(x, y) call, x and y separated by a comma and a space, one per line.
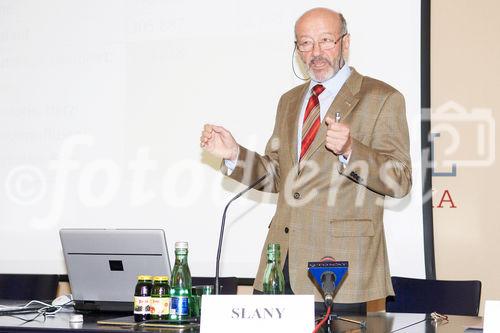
point(338, 138)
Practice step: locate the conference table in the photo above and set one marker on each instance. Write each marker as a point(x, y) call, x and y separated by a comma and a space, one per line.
point(375, 323)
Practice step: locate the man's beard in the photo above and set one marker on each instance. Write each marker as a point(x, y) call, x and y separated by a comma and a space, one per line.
point(330, 71)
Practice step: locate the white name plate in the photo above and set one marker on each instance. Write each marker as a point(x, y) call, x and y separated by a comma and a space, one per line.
point(491, 317)
point(257, 313)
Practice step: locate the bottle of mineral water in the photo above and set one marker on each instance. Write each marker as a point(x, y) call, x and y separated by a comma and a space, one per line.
point(274, 282)
point(180, 284)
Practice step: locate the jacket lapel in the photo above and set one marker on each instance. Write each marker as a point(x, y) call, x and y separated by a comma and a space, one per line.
point(292, 121)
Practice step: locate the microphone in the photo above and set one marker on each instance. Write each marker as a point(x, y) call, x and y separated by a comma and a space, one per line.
point(328, 275)
point(221, 235)
point(293, 65)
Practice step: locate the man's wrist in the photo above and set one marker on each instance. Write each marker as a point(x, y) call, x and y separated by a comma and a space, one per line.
point(347, 154)
point(344, 158)
point(234, 154)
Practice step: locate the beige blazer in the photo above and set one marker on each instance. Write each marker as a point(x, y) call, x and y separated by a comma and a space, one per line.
point(325, 209)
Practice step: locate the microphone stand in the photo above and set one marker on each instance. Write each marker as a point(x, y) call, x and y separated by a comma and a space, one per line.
point(334, 316)
point(221, 235)
point(329, 295)
point(325, 273)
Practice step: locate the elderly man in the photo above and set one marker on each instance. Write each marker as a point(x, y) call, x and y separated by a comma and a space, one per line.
point(339, 146)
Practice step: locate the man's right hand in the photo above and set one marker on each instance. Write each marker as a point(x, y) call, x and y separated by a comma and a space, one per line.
point(219, 141)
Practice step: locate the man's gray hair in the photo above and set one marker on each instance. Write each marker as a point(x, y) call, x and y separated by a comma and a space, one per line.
point(343, 25)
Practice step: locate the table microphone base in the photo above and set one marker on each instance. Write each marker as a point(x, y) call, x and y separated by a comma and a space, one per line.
point(333, 317)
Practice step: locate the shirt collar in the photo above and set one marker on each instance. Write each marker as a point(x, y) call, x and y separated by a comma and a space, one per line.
point(334, 84)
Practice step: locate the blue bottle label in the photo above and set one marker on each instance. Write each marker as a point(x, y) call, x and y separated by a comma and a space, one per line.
point(179, 305)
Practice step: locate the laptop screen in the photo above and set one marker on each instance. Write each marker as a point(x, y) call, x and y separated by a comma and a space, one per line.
point(103, 264)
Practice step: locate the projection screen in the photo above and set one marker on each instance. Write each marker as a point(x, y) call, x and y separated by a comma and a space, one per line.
point(102, 104)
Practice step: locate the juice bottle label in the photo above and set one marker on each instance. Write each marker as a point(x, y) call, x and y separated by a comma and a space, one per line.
point(141, 305)
point(160, 306)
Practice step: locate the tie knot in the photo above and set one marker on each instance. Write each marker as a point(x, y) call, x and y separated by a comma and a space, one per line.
point(318, 89)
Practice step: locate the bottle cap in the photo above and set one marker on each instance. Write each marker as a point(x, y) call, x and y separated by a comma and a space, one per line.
point(181, 245)
point(144, 277)
point(160, 278)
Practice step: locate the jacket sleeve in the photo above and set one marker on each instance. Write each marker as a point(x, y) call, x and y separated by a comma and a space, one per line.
point(250, 165)
point(384, 166)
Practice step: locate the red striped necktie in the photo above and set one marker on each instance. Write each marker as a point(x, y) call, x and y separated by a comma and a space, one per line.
point(312, 121)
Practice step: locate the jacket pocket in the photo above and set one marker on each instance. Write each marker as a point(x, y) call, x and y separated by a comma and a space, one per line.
point(352, 228)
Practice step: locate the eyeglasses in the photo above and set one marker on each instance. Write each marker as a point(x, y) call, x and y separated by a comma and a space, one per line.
point(326, 43)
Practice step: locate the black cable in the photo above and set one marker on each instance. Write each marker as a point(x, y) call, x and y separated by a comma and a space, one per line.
point(18, 311)
point(221, 235)
point(46, 310)
point(410, 325)
point(25, 321)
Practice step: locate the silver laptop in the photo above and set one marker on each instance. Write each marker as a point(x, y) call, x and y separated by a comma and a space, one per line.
point(103, 264)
